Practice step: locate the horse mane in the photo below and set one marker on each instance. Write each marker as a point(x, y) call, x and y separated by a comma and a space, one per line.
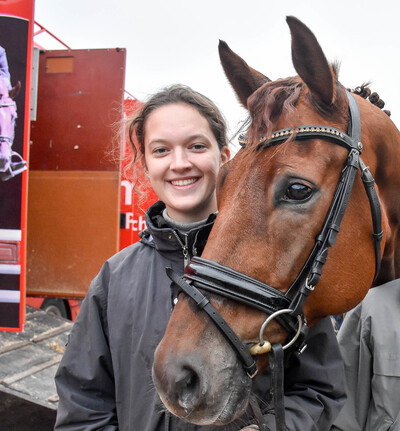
point(365, 92)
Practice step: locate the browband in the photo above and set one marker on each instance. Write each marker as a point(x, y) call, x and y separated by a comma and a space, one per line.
point(306, 132)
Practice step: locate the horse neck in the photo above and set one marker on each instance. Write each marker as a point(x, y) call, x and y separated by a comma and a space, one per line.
point(381, 140)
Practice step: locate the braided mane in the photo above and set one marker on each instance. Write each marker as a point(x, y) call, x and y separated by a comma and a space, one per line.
point(364, 91)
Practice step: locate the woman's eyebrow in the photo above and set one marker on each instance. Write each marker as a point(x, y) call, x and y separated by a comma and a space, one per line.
point(196, 136)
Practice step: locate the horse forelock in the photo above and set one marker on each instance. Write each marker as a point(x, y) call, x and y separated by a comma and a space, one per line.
point(269, 102)
point(279, 98)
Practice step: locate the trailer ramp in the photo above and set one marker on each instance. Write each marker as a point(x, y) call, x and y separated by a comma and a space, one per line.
point(28, 363)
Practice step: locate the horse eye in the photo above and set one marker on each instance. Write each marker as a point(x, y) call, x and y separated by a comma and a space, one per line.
point(298, 192)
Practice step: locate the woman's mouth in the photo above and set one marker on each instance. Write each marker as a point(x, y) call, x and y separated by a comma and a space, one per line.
point(184, 182)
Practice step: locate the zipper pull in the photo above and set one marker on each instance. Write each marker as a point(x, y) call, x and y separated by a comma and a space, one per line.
point(185, 250)
point(186, 257)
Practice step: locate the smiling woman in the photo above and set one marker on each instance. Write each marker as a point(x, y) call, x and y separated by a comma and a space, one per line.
point(182, 160)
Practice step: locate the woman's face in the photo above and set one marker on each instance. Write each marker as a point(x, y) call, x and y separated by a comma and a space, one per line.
point(182, 161)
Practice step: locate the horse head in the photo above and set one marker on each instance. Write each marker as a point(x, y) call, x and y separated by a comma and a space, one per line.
point(274, 198)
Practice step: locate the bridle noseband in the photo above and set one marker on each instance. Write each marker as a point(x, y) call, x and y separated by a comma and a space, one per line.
point(287, 308)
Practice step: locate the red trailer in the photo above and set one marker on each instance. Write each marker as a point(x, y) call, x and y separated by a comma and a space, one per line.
point(73, 186)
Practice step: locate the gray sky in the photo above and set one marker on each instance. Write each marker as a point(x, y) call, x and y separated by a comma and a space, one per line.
point(170, 41)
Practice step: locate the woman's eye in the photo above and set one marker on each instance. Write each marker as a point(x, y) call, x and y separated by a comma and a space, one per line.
point(198, 147)
point(159, 150)
point(298, 192)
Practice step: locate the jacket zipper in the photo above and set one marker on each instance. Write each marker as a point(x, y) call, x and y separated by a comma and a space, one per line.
point(185, 249)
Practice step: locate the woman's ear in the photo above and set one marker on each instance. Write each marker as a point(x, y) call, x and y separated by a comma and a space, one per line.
point(146, 171)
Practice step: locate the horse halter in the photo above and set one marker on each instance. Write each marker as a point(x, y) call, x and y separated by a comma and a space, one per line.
point(287, 308)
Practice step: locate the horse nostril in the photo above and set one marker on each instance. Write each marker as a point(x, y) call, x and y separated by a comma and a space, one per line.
point(187, 388)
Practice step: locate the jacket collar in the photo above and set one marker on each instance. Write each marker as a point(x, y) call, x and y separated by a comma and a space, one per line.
point(161, 236)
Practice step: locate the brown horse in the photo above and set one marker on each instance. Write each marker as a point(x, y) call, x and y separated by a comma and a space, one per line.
point(273, 199)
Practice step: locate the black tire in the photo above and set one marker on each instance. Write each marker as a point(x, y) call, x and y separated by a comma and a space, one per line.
point(55, 306)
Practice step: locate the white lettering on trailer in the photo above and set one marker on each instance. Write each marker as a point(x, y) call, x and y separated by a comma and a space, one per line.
point(128, 192)
point(136, 225)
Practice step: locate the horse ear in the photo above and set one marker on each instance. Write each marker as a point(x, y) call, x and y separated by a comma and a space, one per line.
point(310, 62)
point(244, 79)
point(13, 93)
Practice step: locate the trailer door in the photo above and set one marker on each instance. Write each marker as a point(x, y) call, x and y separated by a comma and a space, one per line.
point(74, 183)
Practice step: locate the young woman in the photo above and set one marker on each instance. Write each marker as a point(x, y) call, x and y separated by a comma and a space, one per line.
point(104, 380)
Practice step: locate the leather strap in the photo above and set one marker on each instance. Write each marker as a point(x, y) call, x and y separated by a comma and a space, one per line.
point(227, 282)
point(249, 363)
point(277, 371)
point(341, 200)
point(310, 131)
point(258, 416)
point(376, 212)
point(354, 127)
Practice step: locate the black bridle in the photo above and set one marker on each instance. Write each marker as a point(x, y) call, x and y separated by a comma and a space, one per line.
point(287, 308)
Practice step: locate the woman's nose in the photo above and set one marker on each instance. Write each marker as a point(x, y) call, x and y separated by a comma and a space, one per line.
point(180, 161)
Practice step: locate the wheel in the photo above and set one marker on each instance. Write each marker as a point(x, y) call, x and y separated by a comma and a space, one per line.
point(55, 306)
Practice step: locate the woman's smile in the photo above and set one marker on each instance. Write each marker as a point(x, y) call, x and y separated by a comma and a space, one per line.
point(184, 182)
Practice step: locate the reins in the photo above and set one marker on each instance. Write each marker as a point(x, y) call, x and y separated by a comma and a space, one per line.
point(286, 308)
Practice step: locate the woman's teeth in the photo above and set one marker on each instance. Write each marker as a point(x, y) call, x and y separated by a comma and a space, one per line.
point(183, 182)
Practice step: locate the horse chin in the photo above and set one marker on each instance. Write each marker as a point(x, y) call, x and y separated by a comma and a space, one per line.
point(219, 396)
point(235, 405)
point(225, 410)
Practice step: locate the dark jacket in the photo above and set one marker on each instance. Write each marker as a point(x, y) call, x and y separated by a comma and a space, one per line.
point(104, 379)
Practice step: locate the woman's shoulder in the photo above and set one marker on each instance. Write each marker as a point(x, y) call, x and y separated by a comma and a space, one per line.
point(130, 253)
point(123, 268)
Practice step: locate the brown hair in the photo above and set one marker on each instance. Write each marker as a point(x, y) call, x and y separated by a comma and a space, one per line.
point(176, 94)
